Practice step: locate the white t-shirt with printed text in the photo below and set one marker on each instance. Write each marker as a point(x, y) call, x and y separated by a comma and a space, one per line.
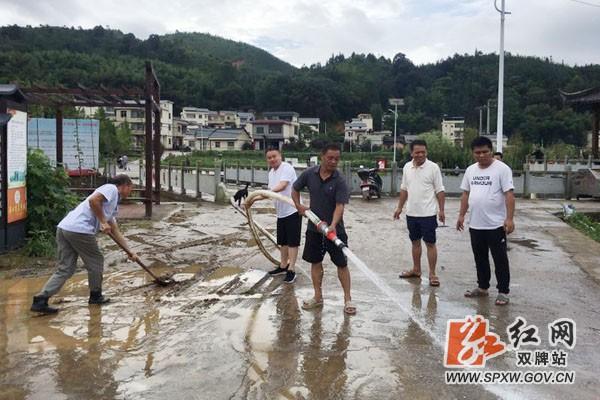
point(487, 188)
point(83, 220)
point(285, 172)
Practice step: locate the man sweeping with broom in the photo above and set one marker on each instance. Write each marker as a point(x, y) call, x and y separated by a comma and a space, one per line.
point(76, 237)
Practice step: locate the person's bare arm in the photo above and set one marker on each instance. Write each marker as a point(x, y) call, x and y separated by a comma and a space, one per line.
point(96, 201)
point(464, 206)
point(299, 206)
point(441, 198)
point(401, 200)
point(280, 186)
point(509, 225)
point(338, 214)
point(119, 238)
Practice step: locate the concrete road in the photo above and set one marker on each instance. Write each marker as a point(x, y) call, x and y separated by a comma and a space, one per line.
point(229, 332)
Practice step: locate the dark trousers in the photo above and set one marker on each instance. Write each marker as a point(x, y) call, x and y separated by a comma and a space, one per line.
point(494, 241)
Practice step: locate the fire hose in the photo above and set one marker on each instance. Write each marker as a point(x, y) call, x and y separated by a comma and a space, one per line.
point(256, 228)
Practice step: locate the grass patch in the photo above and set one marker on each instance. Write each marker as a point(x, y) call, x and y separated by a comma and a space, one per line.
point(585, 224)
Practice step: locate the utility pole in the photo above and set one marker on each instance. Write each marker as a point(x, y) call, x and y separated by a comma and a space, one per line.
point(487, 128)
point(500, 78)
point(480, 109)
point(395, 102)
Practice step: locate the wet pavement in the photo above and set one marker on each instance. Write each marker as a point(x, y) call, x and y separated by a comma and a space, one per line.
point(227, 331)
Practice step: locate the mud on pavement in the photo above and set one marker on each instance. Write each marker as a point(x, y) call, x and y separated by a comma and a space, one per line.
point(227, 331)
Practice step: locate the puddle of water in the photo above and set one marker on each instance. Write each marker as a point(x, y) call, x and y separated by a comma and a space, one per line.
point(529, 243)
point(223, 272)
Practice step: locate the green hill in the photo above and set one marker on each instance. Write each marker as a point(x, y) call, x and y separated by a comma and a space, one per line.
point(194, 68)
point(207, 71)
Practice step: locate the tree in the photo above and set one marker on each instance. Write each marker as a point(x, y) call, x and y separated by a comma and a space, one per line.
point(113, 141)
point(377, 114)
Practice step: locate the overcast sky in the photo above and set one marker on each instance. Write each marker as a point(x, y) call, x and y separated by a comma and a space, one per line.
point(303, 32)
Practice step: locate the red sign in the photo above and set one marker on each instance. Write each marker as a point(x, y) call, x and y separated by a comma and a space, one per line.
point(17, 204)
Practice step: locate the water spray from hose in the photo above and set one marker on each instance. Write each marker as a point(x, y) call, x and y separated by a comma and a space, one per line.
point(331, 235)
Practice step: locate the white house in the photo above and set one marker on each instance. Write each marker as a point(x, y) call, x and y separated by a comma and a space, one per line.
point(453, 128)
point(272, 133)
point(217, 139)
point(353, 130)
point(136, 119)
point(195, 116)
point(367, 119)
point(313, 123)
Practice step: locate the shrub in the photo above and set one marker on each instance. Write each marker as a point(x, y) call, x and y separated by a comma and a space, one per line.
point(48, 201)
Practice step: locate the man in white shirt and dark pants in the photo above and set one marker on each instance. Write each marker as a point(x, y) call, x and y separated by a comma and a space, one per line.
point(423, 192)
point(289, 223)
point(488, 192)
point(76, 237)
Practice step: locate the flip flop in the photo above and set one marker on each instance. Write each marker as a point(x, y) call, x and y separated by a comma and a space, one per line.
point(502, 299)
point(311, 304)
point(434, 281)
point(477, 292)
point(409, 274)
point(350, 308)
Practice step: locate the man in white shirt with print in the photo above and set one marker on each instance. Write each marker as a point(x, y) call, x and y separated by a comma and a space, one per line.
point(423, 192)
point(289, 223)
point(488, 191)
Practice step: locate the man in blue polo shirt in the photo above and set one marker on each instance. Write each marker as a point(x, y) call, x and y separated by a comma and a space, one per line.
point(76, 237)
point(328, 195)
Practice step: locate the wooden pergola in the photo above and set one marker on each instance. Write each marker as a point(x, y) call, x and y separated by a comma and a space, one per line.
point(148, 99)
point(587, 100)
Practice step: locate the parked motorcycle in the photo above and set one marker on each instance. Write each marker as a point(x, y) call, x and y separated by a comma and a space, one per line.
point(371, 183)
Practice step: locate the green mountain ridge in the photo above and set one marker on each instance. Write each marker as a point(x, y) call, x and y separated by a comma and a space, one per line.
point(202, 70)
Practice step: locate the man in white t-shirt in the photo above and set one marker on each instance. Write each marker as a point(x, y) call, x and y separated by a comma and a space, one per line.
point(76, 237)
point(289, 223)
point(423, 192)
point(488, 191)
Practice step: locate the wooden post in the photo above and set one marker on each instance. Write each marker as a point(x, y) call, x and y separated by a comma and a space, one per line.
point(251, 173)
point(59, 137)
point(148, 141)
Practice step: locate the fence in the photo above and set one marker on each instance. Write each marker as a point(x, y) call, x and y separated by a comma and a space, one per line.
point(196, 181)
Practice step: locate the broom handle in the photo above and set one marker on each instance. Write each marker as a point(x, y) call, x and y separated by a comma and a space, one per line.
point(130, 254)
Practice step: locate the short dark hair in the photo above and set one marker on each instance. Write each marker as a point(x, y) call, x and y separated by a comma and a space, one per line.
point(417, 142)
point(331, 146)
point(272, 148)
point(499, 153)
point(120, 180)
point(481, 141)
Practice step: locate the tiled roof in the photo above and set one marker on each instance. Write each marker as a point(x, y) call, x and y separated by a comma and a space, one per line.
point(270, 122)
point(587, 96)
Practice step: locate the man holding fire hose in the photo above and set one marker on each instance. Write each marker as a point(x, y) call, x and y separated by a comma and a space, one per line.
point(328, 193)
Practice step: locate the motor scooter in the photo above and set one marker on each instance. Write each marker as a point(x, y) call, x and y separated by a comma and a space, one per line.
point(371, 183)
